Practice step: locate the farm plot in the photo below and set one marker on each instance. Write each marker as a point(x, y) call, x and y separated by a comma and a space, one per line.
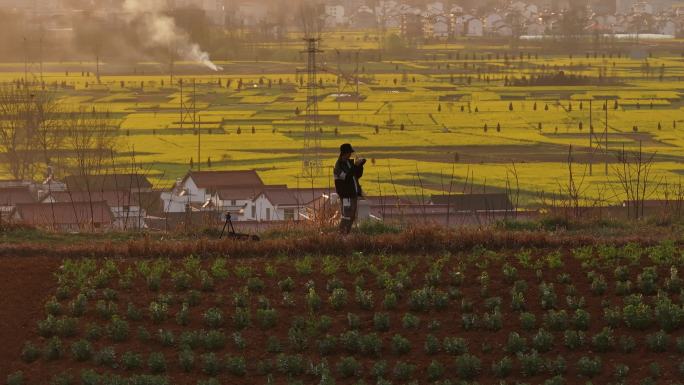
point(592, 314)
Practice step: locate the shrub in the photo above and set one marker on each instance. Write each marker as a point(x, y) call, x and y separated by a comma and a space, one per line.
point(518, 301)
point(403, 371)
point(603, 341)
point(255, 285)
point(655, 370)
point(327, 345)
point(214, 340)
point(241, 318)
point(547, 295)
point(81, 350)
point(658, 342)
point(435, 371)
point(364, 298)
point(166, 337)
point(543, 341)
point(531, 363)
point(106, 357)
point(493, 321)
point(371, 344)
point(467, 366)
point(211, 364)
point(556, 367)
point(420, 299)
point(158, 311)
point(338, 298)
point(432, 345)
point(16, 378)
point(298, 339)
point(267, 318)
point(410, 321)
point(213, 318)
point(528, 321)
point(503, 367)
point(273, 345)
point(612, 316)
point(29, 353)
point(237, 366)
point(573, 340)
point(78, 306)
point(53, 349)
point(556, 320)
point(627, 344)
point(589, 367)
point(156, 362)
point(516, 343)
point(668, 315)
point(390, 302)
point(354, 321)
point(313, 300)
point(581, 319)
point(381, 322)
point(379, 369)
point(348, 367)
point(455, 345)
point(637, 315)
point(621, 371)
point(350, 341)
point(286, 285)
point(131, 361)
point(400, 345)
point(118, 329)
point(469, 321)
point(290, 365)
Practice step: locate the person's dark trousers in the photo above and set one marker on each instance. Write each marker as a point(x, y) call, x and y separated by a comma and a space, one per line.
point(349, 206)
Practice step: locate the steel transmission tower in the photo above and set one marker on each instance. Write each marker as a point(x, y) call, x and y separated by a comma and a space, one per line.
point(312, 165)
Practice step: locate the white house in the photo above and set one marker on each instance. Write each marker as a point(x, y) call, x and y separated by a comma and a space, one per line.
point(283, 204)
point(240, 202)
point(642, 7)
point(474, 27)
point(668, 27)
point(335, 15)
point(492, 21)
point(198, 188)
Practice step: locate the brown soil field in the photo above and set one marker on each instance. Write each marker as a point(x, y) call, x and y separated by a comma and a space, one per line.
point(27, 282)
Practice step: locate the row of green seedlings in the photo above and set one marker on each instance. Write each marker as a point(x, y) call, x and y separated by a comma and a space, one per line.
point(466, 366)
point(421, 300)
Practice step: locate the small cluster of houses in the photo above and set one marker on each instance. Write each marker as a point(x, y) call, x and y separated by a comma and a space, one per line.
point(202, 198)
point(444, 20)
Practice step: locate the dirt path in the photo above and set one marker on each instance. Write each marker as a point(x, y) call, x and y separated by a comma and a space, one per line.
point(25, 283)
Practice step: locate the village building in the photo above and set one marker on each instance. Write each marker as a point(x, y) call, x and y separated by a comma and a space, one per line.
point(126, 211)
point(196, 189)
point(65, 216)
point(13, 195)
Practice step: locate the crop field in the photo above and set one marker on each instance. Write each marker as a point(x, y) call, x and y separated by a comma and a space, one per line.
point(574, 315)
point(453, 117)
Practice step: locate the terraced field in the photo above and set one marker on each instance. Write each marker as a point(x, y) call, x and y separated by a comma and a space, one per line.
point(455, 112)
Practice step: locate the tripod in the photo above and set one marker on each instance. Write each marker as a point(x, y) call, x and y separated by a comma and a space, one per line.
point(228, 224)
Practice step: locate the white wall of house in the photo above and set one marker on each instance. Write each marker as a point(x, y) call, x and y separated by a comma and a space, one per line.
point(175, 203)
point(267, 211)
point(241, 209)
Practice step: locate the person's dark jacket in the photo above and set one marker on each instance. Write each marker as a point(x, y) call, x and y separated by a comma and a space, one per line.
point(347, 175)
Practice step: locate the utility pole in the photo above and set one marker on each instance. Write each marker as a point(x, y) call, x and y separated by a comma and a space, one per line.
point(199, 146)
point(312, 136)
point(357, 80)
point(606, 137)
point(591, 135)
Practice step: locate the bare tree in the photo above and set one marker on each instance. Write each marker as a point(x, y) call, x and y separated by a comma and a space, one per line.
point(636, 180)
point(30, 129)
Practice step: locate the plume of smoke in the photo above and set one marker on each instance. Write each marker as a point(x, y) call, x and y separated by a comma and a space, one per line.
point(159, 30)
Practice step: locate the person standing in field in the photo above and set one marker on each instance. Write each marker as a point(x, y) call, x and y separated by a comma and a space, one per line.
point(347, 173)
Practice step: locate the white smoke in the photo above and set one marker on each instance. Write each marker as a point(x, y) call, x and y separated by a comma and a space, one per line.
point(160, 30)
